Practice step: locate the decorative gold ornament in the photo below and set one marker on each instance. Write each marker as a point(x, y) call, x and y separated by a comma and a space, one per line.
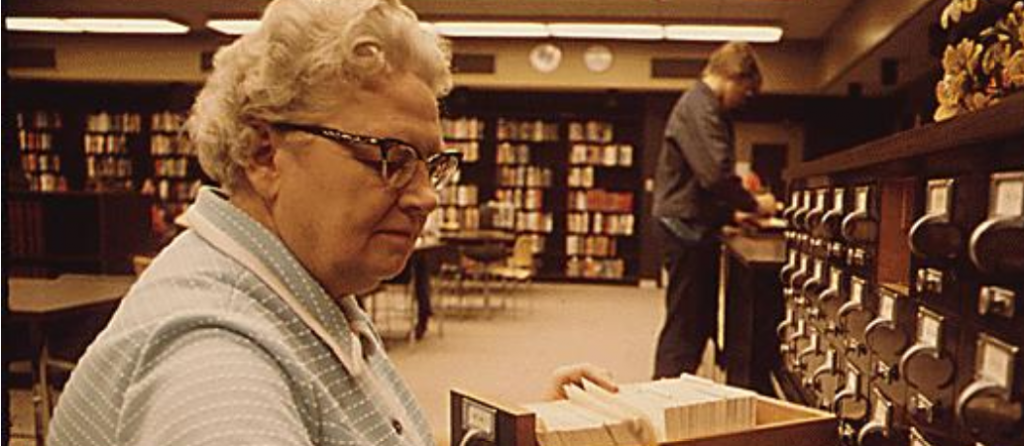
point(955, 10)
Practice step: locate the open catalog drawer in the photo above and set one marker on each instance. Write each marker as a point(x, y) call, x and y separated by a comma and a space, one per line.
point(763, 422)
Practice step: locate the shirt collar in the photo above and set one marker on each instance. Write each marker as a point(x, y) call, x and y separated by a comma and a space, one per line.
point(268, 248)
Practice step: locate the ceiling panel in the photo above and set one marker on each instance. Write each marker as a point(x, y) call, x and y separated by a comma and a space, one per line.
point(801, 19)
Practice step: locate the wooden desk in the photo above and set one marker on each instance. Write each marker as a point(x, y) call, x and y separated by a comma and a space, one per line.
point(39, 301)
point(753, 307)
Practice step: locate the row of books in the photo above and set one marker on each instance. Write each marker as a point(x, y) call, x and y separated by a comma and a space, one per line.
point(455, 218)
point(661, 411)
point(600, 200)
point(113, 122)
point(114, 143)
point(536, 131)
point(167, 121)
point(105, 167)
point(598, 223)
point(39, 119)
point(590, 245)
point(40, 162)
point(165, 145)
point(462, 128)
point(522, 130)
point(101, 184)
point(518, 198)
point(509, 153)
point(460, 195)
point(524, 176)
point(46, 182)
point(171, 167)
point(591, 268)
point(524, 221)
point(592, 131)
point(35, 141)
point(609, 155)
point(582, 177)
point(470, 150)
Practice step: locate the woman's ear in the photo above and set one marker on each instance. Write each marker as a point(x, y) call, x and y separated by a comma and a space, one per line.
point(263, 170)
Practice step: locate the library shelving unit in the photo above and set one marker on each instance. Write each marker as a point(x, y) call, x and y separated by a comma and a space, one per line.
point(174, 163)
point(562, 170)
point(74, 231)
point(460, 204)
point(109, 142)
point(600, 217)
point(524, 157)
point(40, 151)
point(527, 158)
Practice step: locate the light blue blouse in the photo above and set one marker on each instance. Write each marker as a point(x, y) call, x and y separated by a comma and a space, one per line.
point(202, 352)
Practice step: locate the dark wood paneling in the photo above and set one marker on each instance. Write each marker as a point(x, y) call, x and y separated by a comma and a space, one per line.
point(1002, 121)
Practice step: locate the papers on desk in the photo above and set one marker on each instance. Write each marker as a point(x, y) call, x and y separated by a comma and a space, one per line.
point(645, 413)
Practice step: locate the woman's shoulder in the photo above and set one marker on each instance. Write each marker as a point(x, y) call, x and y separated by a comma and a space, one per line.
point(191, 279)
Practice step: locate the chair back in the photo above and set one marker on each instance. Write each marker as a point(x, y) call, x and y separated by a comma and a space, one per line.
point(522, 253)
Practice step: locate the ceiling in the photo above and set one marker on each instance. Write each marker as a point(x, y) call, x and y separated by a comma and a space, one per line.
point(801, 19)
point(907, 47)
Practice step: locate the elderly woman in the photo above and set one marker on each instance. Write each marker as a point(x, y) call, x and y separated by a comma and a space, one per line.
point(322, 128)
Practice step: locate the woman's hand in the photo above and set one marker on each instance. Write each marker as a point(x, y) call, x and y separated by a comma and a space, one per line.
point(575, 374)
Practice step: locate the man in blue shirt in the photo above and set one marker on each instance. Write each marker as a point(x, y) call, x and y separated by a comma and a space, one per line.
point(696, 192)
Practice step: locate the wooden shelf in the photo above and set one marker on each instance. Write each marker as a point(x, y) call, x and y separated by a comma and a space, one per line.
point(1001, 121)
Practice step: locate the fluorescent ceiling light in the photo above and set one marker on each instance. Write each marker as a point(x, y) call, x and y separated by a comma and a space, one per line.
point(40, 24)
point(128, 26)
point(233, 27)
point(721, 33)
point(621, 31)
point(95, 25)
point(491, 29)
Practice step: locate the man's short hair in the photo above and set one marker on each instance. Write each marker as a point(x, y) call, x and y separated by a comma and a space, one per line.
point(734, 60)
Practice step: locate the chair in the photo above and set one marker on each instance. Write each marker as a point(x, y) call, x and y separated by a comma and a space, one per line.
point(519, 267)
point(479, 262)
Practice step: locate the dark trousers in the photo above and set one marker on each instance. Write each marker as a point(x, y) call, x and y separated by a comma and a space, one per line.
point(421, 289)
point(691, 304)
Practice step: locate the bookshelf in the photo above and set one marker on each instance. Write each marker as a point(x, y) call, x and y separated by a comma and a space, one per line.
point(39, 150)
point(601, 211)
point(565, 175)
point(524, 178)
point(175, 167)
point(109, 143)
point(107, 228)
point(518, 153)
point(460, 204)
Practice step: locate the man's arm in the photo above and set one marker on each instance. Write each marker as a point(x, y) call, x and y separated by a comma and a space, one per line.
point(702, 140)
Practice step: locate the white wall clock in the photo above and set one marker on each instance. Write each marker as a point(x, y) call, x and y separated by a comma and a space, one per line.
point(546, 57)
point(598, 58)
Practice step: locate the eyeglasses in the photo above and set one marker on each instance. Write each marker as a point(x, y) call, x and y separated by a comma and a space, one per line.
point(398, 159)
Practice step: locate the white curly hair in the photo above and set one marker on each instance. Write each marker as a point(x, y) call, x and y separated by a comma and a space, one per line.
point(302, 53)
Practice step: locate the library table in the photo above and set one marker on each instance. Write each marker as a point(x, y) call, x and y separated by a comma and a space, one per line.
point(484, 246)
point(752, 305)
point(40, 302)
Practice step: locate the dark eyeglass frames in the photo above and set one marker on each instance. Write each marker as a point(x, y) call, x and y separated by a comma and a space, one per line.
point(398, 159)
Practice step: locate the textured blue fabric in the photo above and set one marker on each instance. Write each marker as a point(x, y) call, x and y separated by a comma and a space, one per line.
point(202, 352)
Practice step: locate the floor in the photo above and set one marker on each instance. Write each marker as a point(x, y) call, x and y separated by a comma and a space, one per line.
point(509, 354)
